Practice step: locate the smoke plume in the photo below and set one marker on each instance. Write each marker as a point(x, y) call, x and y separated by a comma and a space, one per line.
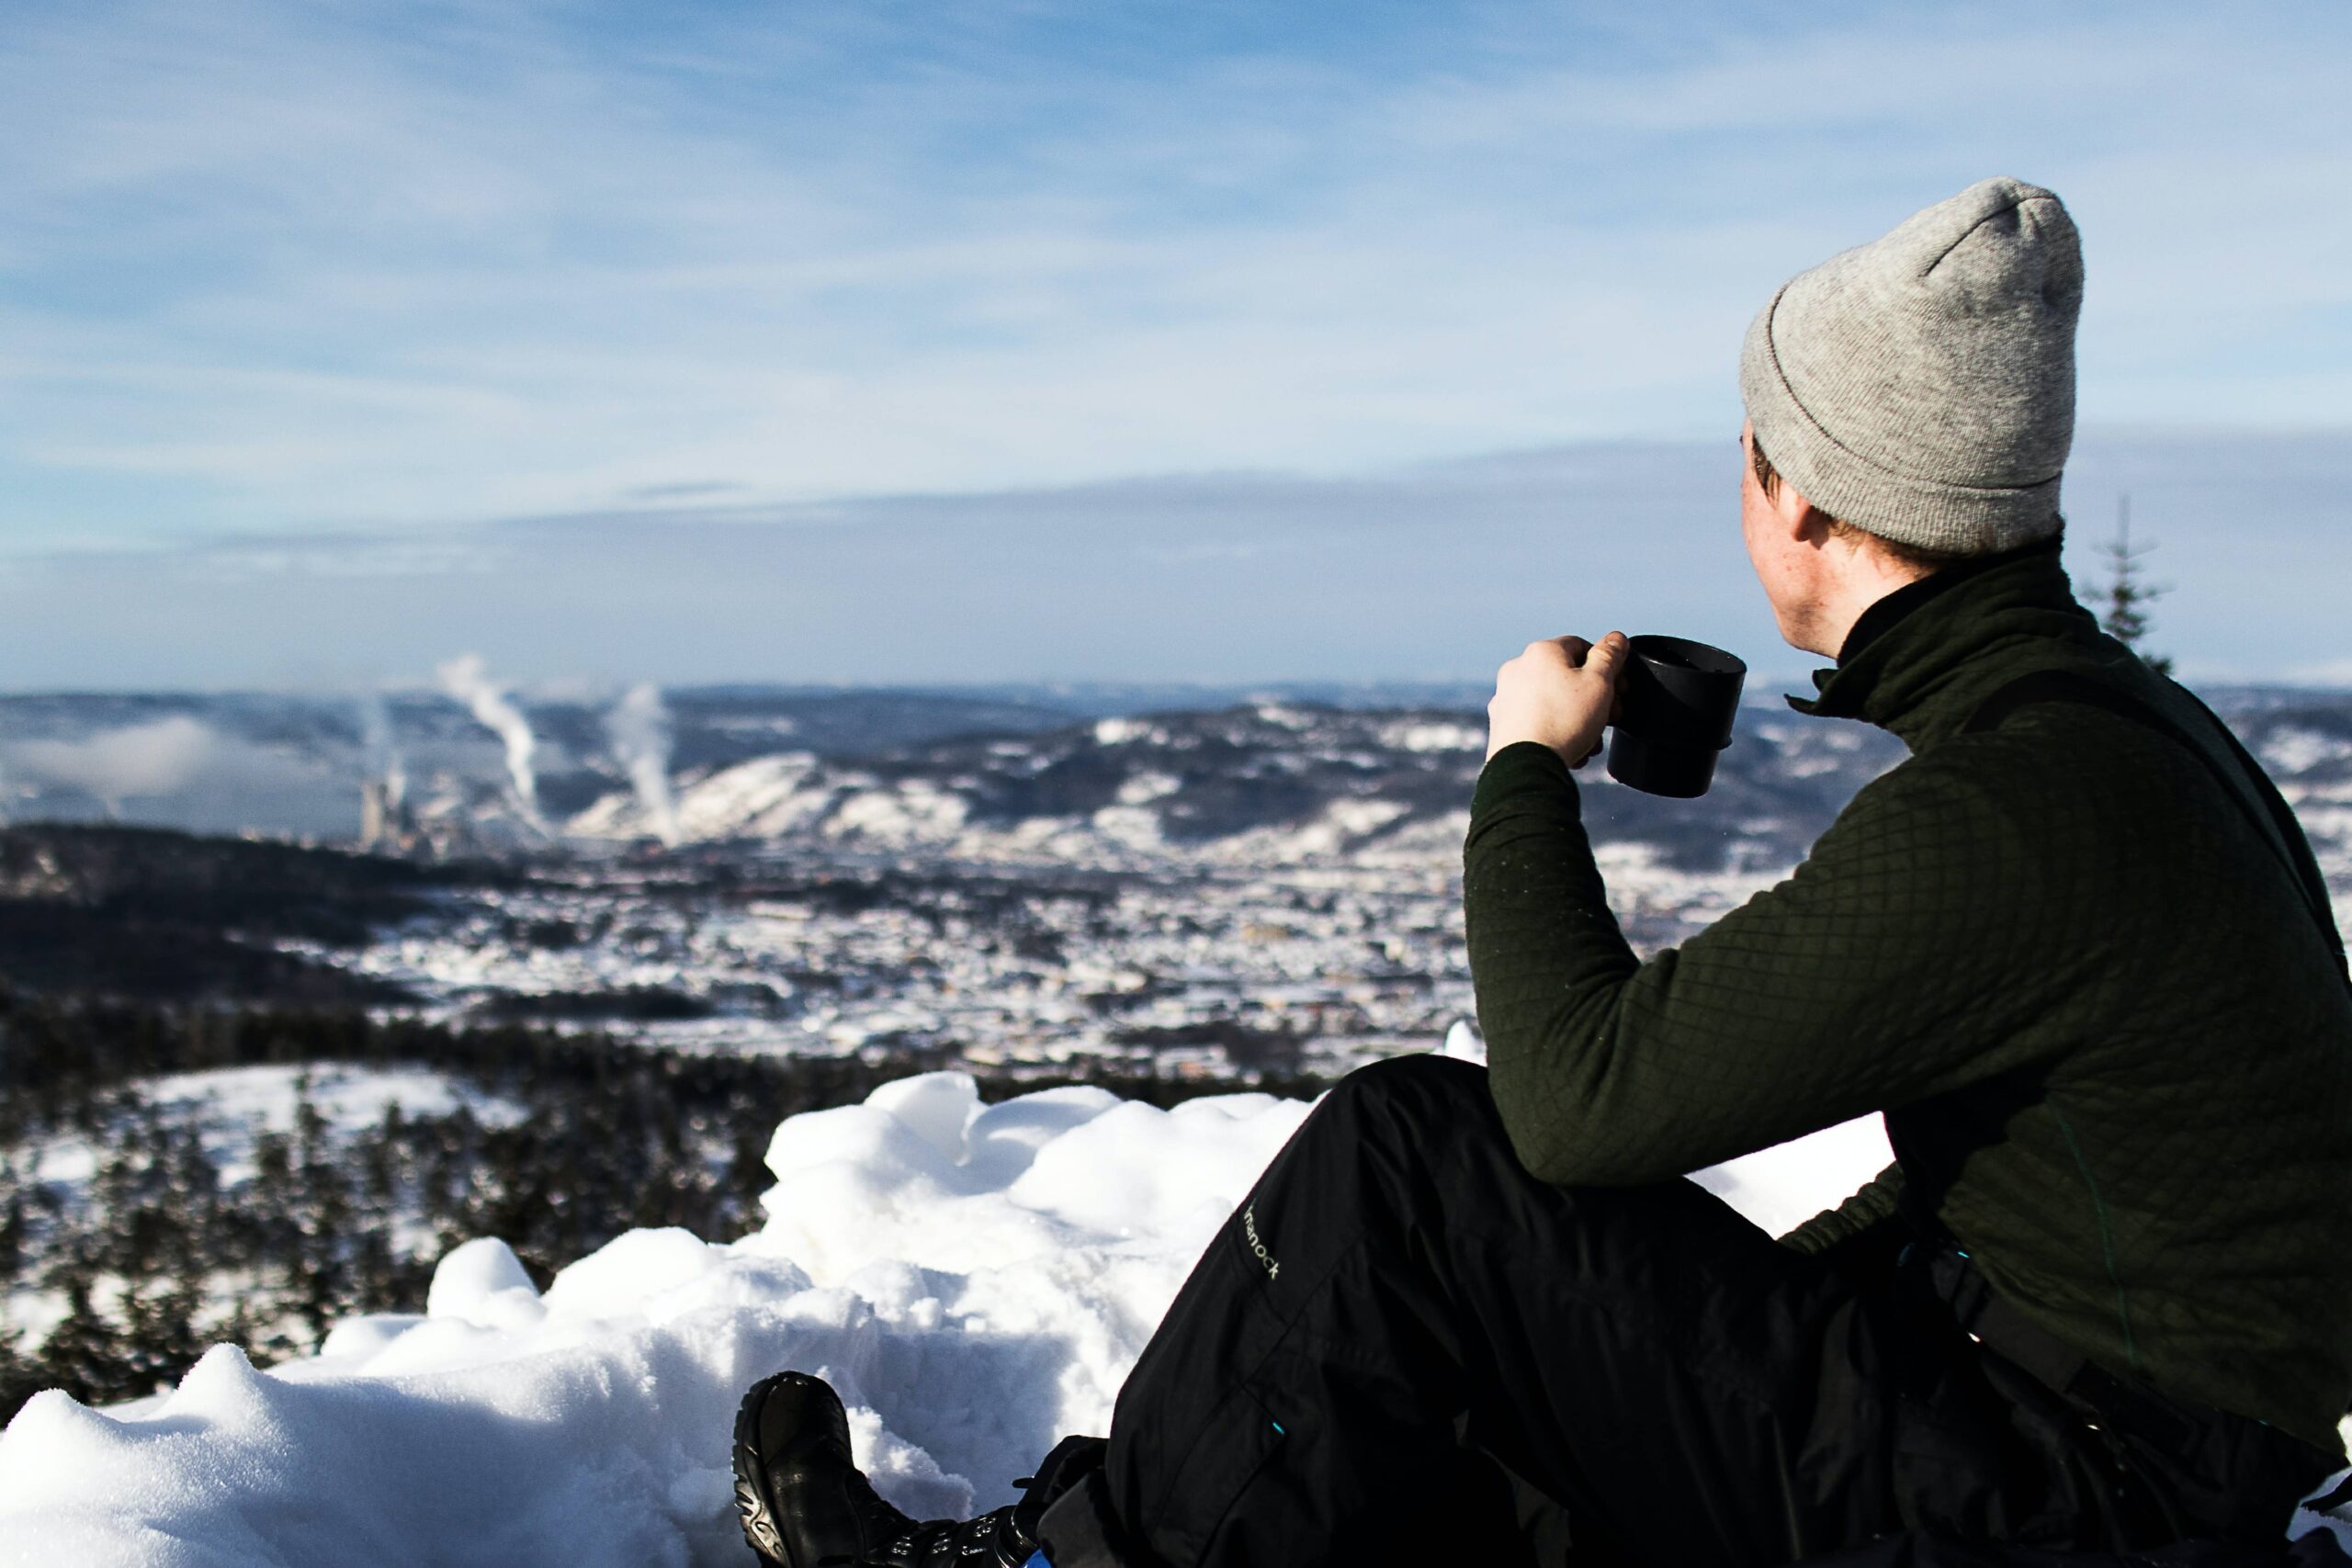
point(638, 729)
point(465, 679)
point(383, 760)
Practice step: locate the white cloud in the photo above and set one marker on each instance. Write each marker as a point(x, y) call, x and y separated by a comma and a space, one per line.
point(346, 264)
point(156, 757)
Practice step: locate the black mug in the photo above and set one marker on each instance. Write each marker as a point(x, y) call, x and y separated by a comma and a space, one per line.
point(1676, 702)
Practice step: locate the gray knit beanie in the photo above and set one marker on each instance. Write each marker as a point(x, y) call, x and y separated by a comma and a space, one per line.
point(1922, 387)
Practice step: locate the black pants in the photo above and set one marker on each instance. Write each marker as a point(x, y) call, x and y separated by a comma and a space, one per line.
point(1404, 1349)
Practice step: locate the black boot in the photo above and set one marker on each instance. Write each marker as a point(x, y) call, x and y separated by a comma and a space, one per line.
point(804, 1503)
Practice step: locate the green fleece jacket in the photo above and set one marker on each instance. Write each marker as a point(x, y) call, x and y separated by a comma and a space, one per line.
point(2113, 1048)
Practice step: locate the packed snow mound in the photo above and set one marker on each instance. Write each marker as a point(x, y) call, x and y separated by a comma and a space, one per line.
point(975, 1279)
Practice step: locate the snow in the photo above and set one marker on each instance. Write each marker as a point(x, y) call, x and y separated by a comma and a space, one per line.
point(1781, 1188)
point(915, 811)
point(975, 1279)
point(765, 797)
point(1433, 735)
point(1119, 731)
point(2291, 749)
point(1140, 789)
point(1130, 826)
point(232, 1106)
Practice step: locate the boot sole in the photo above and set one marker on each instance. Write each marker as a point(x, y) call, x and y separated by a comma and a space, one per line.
point(753, 1507)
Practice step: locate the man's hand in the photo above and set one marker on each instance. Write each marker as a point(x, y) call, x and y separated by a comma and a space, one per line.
point(1560, 691)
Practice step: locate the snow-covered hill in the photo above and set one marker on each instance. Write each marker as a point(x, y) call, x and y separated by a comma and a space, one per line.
point(1263, 784)
point(976, 1280)
point(1031, 775)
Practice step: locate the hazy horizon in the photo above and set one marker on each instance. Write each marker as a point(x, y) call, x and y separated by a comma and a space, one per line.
point(1427, 572)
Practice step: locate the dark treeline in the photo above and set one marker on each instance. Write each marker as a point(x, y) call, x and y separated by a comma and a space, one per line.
point(160, 916)
point(160, 1253)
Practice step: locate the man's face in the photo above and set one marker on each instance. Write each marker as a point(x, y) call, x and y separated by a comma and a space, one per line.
point(1781, 564)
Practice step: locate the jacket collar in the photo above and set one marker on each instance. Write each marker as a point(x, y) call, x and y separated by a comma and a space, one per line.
point(1919, 659)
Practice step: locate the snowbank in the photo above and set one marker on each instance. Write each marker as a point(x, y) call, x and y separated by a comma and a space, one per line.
point(976, 1280)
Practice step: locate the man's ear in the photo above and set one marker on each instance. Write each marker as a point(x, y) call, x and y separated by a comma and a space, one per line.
point(1800, 519)
point(1813, 525)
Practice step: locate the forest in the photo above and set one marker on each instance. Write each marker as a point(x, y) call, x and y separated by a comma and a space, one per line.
point(160, 1255)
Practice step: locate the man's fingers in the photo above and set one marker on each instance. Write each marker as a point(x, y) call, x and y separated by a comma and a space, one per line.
point(1548, 695)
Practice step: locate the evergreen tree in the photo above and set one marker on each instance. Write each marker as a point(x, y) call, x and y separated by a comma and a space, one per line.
point(83, 1353)
point(21, 1376)
point(2127, 595)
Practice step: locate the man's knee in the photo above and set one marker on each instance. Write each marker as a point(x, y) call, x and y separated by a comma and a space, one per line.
point(1414, 1093)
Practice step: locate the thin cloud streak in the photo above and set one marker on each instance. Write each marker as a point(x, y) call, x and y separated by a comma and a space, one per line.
point(1429, 571)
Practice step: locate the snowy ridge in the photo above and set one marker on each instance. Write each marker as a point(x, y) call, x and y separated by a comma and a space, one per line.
point(976, 1280)
point(1265, 784)
point(988, 775)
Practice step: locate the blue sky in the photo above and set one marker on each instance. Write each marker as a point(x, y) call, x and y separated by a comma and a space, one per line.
point(315, 282)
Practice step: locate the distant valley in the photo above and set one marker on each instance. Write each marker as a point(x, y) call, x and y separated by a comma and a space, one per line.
point(1011, 879)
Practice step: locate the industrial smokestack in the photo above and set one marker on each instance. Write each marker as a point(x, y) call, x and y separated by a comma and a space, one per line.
point(638, 729)
point(380, 749)
point(465, 679)
point(383, 788)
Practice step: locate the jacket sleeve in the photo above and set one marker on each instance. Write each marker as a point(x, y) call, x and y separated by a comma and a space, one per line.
point(1873, 1206)
point(1872, 976)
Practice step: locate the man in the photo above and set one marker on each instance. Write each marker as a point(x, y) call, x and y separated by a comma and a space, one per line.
point(2074, 948)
